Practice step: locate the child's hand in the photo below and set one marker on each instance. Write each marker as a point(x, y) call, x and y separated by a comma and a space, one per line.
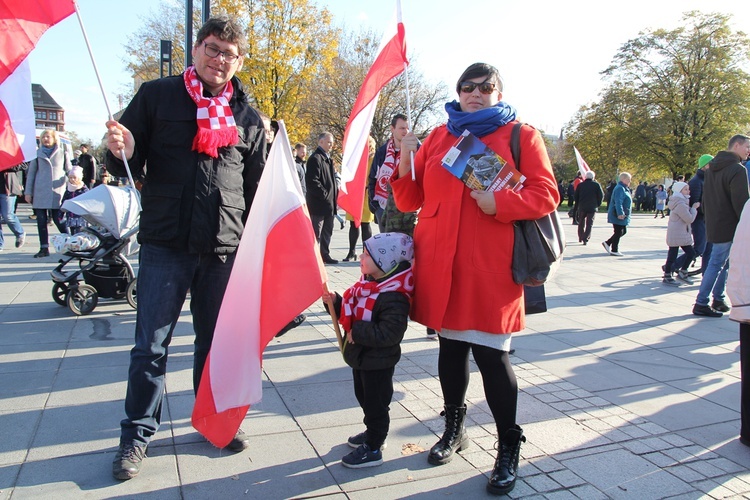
point(328, 296)
point(696, 204)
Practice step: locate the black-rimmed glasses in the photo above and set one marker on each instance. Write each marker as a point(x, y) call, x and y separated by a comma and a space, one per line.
point(213, 51)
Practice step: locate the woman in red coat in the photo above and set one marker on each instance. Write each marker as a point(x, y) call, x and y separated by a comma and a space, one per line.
point(462, 266)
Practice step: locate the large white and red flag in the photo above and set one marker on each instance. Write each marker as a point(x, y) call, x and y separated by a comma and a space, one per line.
point(390, 62)
point(22, 23)
point(583, 167)
point(277, 274)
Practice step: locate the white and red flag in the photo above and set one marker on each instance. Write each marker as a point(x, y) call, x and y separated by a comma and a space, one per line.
point(277, 274)
point(22, 23)
point(583, 167)
point(390, 62)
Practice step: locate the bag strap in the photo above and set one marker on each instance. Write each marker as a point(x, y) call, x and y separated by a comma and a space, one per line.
point(515, 144)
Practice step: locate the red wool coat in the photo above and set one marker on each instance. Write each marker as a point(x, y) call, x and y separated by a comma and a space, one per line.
point(462, 256)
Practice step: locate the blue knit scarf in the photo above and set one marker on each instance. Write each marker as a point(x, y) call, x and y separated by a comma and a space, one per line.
point(47, 151)
point(480, 122)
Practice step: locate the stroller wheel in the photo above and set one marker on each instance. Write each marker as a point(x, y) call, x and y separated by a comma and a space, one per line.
point(82, 300)
point(130, 293)
point(59, 292)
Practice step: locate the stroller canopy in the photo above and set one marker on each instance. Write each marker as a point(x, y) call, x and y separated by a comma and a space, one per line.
point(116, 209)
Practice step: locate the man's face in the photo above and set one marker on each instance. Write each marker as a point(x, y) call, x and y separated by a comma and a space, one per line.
point(215, 71)
point(84, 149)
point(399, 130)
point(301, 152)
point(742, 149)
point(326, 143)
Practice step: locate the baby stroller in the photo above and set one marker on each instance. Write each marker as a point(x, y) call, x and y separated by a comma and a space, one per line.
point(99, 252)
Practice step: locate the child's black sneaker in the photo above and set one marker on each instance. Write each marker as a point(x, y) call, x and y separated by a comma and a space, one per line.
point(683, 276)
point(362, 457)
point(360, 439)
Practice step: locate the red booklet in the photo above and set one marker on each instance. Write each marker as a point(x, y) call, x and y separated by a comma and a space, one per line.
point(479, 167)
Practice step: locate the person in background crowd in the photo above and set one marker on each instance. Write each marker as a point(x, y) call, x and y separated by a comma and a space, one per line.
point(367, 216)
point(10, 188)
point(619, 214)
point(588, 199)
point(322, 194)
point(725, 191)
point(88, 165)
point(300, 154)
point(661, 201)
point(701, 247)
point(45, 185)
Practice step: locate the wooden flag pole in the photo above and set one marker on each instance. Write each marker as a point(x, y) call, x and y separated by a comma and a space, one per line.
point(332, 311)
point(408, 116)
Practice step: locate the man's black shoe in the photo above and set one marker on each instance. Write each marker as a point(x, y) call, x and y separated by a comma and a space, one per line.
point(329, 260)
point(239, 442)
point(720, 305)
point(292, 324)
point(700, 310)
point(127, 462)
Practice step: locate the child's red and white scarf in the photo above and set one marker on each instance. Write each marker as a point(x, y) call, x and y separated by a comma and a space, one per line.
point(359, 300)
point(390, 165)
point(216, 126)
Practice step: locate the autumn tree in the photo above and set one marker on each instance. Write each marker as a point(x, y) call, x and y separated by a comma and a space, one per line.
point(290, 43)
point(671, 96)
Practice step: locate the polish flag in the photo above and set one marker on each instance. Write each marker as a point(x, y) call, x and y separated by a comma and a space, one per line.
point(17, 131)
point(583, 167)
point(390, 62)
point(22, 23)
point(277, 274)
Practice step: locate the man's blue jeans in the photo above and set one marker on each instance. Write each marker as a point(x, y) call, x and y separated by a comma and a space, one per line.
point(7, 203)
point(164, 277)
point(714, 281)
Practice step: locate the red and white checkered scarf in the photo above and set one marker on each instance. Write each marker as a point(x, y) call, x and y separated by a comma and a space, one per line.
point(390, 164)
point(216, 127)
point(359, 300)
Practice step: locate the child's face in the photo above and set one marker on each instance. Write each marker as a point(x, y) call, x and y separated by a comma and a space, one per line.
point(74, 179)
point(368, 266)
point(686, 191)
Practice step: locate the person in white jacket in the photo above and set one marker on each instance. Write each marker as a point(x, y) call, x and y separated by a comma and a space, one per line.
point(738, 290)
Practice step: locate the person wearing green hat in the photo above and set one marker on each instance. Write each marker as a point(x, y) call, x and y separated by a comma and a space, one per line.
point(701, 247)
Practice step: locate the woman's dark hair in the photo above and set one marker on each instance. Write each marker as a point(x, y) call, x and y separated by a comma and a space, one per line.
point(477, 70)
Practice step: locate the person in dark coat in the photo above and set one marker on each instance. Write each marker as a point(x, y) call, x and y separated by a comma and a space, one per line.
point(588, 199)
point(321, 196)
point(88, 165)
point(199, 187)
point(374, 314)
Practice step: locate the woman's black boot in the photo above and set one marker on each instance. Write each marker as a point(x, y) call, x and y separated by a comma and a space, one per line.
point(454, 438)
point(503, 478)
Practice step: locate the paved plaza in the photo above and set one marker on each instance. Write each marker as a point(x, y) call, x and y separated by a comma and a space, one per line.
point(623, 394)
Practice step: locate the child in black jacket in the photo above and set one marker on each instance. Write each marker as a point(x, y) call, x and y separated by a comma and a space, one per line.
point(374, 314)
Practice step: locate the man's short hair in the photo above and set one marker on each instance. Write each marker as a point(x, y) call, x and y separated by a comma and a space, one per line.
point(299, 145)
point(226, 29)
point(398, 117)
point(737, 139)
point(625, 175)
point(590, 174)
point(85, 146)
point(323, 135)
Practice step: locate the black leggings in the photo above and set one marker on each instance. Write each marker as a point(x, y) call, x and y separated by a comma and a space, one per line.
point(500, 386)
point(354, 235)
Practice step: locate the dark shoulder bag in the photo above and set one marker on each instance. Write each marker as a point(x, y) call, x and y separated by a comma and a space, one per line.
point(539, 244)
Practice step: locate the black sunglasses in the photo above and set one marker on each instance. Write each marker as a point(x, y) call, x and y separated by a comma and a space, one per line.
point(484, 87)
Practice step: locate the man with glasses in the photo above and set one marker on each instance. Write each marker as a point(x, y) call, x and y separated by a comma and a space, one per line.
point(205, 148)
